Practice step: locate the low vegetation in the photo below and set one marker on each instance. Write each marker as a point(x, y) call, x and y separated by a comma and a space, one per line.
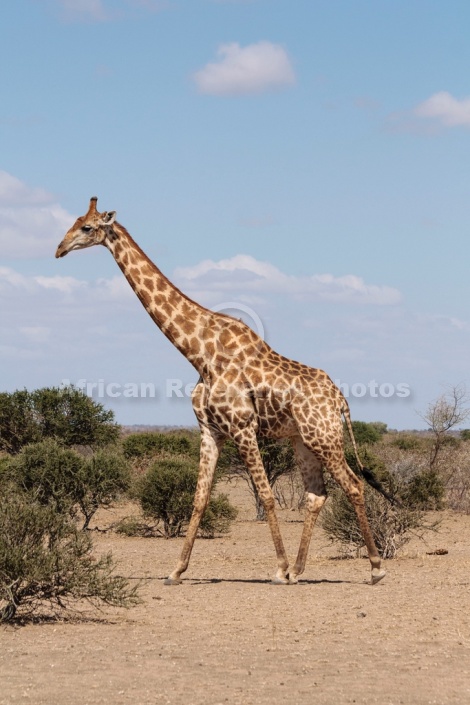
point(141, 446)
point(392, 526)
point(62, 458)
point(61, 463)
point(166, 494)
point(67, 415)
point(423, 472)
point(67, 480)
point(47, 565)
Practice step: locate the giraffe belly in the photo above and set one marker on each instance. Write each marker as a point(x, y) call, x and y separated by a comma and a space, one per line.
point(274, 419)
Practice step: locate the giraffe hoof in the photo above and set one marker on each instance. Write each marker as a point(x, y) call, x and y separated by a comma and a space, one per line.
point(293, 579)
point(377, 575)
point(172, 581)
point(281, 577)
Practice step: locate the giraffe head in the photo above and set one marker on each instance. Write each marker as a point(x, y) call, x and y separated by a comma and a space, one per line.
point(88, 230)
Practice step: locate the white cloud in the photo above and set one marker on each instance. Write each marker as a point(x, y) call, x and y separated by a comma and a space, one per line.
point(240, 70)
point(36, 334)
point(10, 278)
point(262, 221)
point(55, 327)
point(446, 109)
point(63, 322)
point(250, 275)
point(447, 322)
point(99, 11)
point(31, 222)
point(438, 112)
point(14, 192)
point(64, 284)
point(151, 5)
point(365, 102)
point(83, 10)
point(115, 289)
point(16, 353)
point(63, 288)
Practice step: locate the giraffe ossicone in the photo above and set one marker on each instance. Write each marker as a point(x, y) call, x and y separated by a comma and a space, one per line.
point(245, 390)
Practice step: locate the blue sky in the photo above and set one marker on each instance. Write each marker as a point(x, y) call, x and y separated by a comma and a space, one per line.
point(303, 164)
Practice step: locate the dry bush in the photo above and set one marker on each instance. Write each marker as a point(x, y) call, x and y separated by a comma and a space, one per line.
point(289, 490)
point(392, 526)
point(406, 475)
point(455, 471)
point(45, 562)
point(451, 466)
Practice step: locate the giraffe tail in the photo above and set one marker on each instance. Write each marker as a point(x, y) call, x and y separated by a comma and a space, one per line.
point(367, 474)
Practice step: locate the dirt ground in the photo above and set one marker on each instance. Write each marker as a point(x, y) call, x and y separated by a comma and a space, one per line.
point(226, 635)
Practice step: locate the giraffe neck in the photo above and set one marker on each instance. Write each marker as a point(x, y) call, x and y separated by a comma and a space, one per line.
point(184, 322)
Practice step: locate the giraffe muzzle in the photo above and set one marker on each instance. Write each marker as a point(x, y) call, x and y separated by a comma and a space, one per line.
point(61, 250)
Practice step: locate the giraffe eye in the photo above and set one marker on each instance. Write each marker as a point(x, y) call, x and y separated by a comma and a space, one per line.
point(87, 228)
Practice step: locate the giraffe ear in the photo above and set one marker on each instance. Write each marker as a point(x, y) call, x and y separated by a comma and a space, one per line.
point(108, 218)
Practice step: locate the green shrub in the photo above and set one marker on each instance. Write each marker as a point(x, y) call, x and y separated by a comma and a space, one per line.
point(166, 493)
point(72, 417)
point(425, 490)
point(64, 479)
point(406, 442)
point(141, 445)
point(18, 425)
point(451, 441)
point(102, 479)
point(218, 516)
point(369, 460)
point(67, 415)
point(49, 472)
point(414, 483)
point(4, 465)
point(133, 526)
point(46, 561)
point(368, 433)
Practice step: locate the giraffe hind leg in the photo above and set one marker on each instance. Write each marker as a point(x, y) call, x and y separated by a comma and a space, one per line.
point(312, 476)
point(354, 489)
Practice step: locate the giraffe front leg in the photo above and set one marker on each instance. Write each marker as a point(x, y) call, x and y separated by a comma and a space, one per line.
point(210, 448)
point(248, 448)
point(281, 577)
point(175, 576)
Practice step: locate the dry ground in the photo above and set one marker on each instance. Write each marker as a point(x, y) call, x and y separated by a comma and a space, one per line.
point(227, 636)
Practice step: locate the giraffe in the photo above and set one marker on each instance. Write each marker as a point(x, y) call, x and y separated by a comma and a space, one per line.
point(245, 390)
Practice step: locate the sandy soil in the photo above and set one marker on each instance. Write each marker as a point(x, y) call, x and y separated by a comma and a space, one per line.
point(226, 635)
